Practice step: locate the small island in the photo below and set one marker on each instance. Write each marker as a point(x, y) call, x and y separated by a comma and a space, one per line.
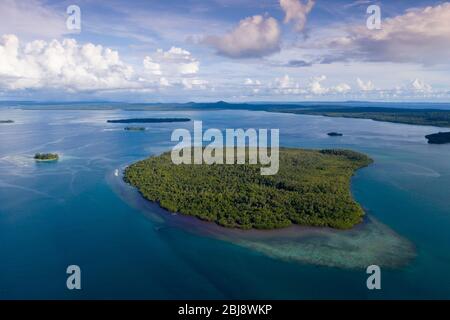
point(6, 121)
point(134, 128)
point(438, 138)
point(312, 188)
point(335, 134)
point(149, 120)
point(46, 157)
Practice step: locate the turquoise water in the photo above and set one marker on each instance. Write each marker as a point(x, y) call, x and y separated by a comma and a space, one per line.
point(76, 211)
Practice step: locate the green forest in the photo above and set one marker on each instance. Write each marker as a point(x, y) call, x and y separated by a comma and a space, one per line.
point(438, 118)
point(46, 156)
point(312, 188)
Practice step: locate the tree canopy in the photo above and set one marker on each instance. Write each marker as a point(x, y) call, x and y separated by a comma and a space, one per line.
point(311, 188)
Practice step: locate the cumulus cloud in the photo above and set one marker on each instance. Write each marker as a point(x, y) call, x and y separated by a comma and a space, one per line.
point(341, 88)
point(365, 86)
point(175, 66)
point(315, 85)
point(194, 83)
point(418, 85)
point(173, 62)
point(73, 67)
point(251, 82)
point(255, 36)
point(297, 11)
point(255, 84)
point(288, 86)
point(61, 64)
point(419, 36)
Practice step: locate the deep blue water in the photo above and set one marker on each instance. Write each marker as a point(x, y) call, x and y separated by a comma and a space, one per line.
point(75, 212)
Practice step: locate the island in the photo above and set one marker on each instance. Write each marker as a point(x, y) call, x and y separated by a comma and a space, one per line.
point(149, 120)
point(335, 134)
point(6, 121)
point(423, 117)
point(46, 157)
point(134, 128)
point(312, 188)
point(438, 138)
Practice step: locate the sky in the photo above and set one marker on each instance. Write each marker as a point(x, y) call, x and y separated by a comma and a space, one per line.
point(232, 50)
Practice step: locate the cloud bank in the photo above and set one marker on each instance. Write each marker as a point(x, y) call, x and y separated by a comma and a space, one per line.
point(60, 64)
point(73, 67)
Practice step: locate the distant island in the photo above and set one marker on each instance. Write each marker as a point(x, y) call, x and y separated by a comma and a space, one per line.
point(149, 120)
point(431, 117)
point(46, 157)
point(438, 138)
point(312, 188)
point(335, 134)
point(6, 121)
point(134, 128)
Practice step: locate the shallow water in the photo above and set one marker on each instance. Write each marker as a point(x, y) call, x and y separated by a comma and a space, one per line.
point(76, 211)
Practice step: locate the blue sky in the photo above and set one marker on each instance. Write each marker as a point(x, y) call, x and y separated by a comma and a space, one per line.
point(234, 50)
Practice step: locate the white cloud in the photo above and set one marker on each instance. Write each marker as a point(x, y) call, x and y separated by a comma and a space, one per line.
point(192, 83)
point(73, 67)
point(288, 86)
point(174, 62)
point(341, 88)
point(254, 84)
point(175, 66)
point(418, 85)
point(254, 37)
point(315, 85)
point(297, 11)
point(151, 66)
point(251, 82)
point(365, 86)
point(65, 64)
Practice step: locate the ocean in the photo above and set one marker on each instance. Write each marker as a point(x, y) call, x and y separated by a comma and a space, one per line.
point(77, 211)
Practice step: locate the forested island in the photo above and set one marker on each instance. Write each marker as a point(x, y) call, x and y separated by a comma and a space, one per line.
point(438, 138)
point(6, 121)
point(150, 120)
point(134, 129)
point(335, 134)
point(46, 156)
point(312, 188)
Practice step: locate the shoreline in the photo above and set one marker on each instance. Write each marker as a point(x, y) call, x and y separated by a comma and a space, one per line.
point(354, 248)
point(45, 160)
